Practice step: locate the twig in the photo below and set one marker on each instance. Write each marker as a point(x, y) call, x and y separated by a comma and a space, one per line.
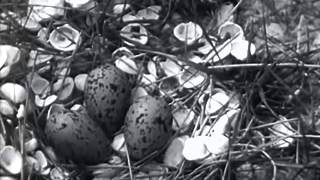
point(129, 163)
point(259, 65)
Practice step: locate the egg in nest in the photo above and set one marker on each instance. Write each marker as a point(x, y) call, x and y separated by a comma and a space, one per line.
point(147, 126)
point(74, 136)
point(106, 96)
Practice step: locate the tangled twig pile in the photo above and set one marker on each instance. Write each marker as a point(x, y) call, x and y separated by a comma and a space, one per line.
point(174, 89)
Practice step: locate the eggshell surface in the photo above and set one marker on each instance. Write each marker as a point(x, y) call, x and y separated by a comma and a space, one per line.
point(147, 126)
point(74, 136)
point(107, 95)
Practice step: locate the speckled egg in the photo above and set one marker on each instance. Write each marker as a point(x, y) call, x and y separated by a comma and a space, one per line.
point(107, 95)
point(147, 126)
point(74, 136)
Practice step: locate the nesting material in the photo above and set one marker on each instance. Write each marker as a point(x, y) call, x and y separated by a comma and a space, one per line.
point(3, 58)
point(58, 173)
point(32, 164)
point(170, 68)
point(41, 10)
point(65, 38)
point(81, 4)
point(7, 178)
point(4, 72)
point(64, 88)
point(13, 92)
point(275, 30)
point(43, 163)
point(21, 112)
point(39, 60)
point(120, 52)
point(169, 86)
point(6, 108)
point(208, 46)
point(118, 144)
point(173, 155)
point(152, 68)
point(29, 23)
point(31, 142)
point(182, 118)
point(11, 55)
point(231, 29)
point(241, 48)
point(39, 85)
point(11, 159)
point(188, 32)
point(220, 52)
point(192, 78)
point(216, 102)
point(217, 144)
point(80, 81)
point(195, 148)
point(120, 8)
point(135, 33)
point(2, 141)
point(148, 79)
point(127, 65)
point(44, 102)
point(138, 92)
point(281, 133)
point(149, 13)
point(224, 122)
